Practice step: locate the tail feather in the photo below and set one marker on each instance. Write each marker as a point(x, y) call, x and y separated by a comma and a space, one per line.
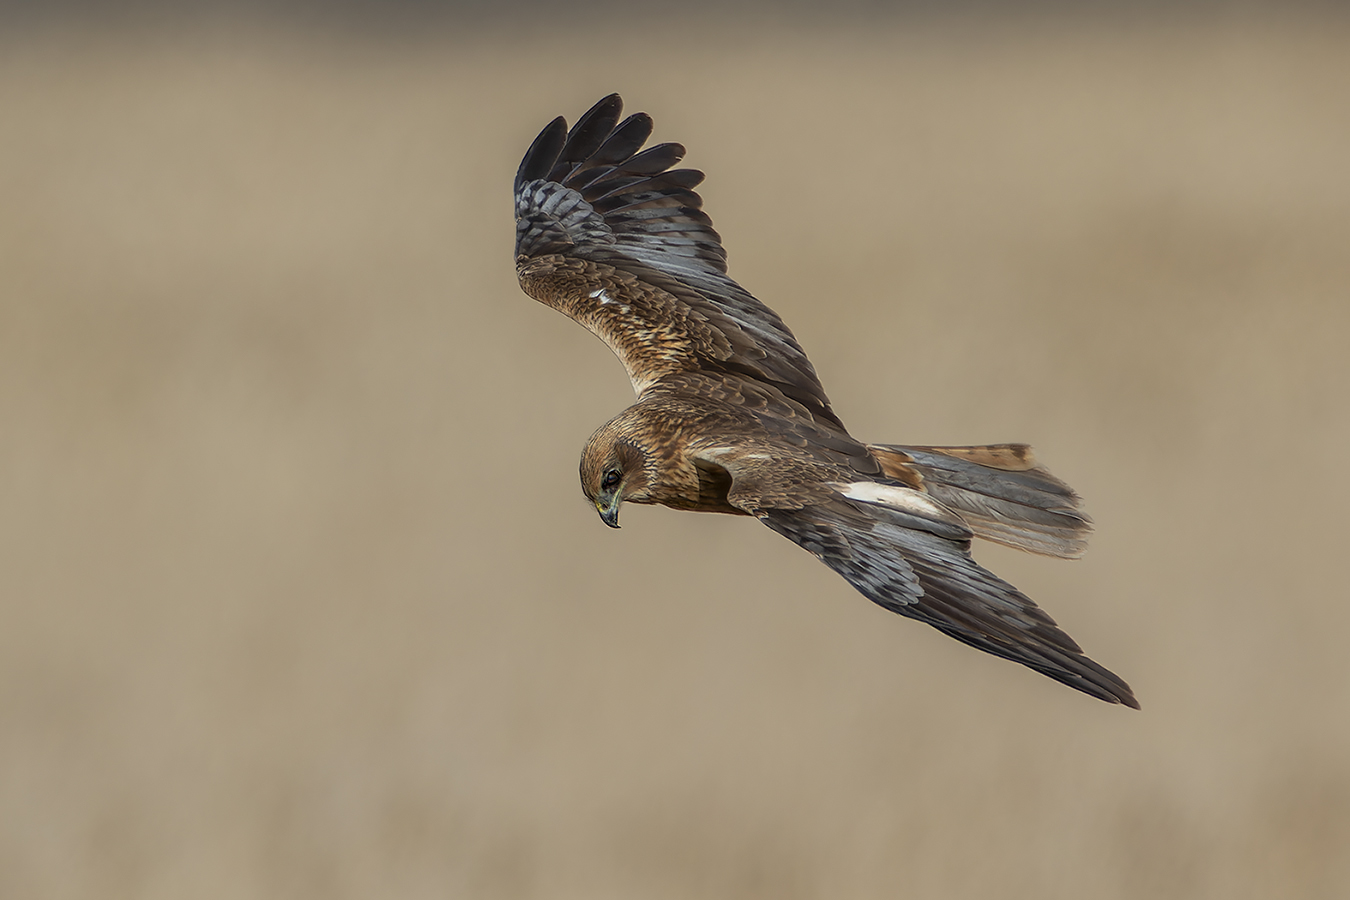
point(1000, 491)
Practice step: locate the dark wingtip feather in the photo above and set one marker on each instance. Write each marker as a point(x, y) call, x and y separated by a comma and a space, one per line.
point(543, 153)
point(654, 160)
point(627, 139)
point(592, 129)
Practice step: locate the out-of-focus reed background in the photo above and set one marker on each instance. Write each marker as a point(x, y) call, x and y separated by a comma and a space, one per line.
point(298, 594)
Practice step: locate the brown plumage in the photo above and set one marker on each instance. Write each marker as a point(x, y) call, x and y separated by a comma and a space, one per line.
point(731, 417)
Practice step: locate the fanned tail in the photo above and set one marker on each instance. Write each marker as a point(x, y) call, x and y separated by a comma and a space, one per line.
point(999, 490)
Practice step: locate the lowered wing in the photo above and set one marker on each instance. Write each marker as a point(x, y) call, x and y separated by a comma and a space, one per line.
point(908, 552)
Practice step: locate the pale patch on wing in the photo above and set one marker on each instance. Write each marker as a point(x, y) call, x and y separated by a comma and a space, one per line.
point(717, 453)
point(606, 300)
point(899, 498)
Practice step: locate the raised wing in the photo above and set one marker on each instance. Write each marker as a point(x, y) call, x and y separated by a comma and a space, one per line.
point(613, 236)
point(909, 553)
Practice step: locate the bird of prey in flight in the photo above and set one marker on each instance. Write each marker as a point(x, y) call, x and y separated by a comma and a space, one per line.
point(730, 416)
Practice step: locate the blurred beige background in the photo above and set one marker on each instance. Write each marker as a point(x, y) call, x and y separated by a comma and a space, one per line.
point(298, 594)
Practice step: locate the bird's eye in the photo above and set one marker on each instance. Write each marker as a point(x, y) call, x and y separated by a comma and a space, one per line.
point(611, 480)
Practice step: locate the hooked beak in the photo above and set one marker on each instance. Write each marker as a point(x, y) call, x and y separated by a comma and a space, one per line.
point(609, 510)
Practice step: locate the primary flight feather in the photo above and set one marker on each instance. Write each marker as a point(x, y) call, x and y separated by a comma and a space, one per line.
point(731, 417)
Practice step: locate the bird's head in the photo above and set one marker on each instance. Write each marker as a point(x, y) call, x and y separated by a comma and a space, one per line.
point(615, 468)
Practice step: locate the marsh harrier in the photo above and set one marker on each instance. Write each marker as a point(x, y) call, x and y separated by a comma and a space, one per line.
point(730, 416)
